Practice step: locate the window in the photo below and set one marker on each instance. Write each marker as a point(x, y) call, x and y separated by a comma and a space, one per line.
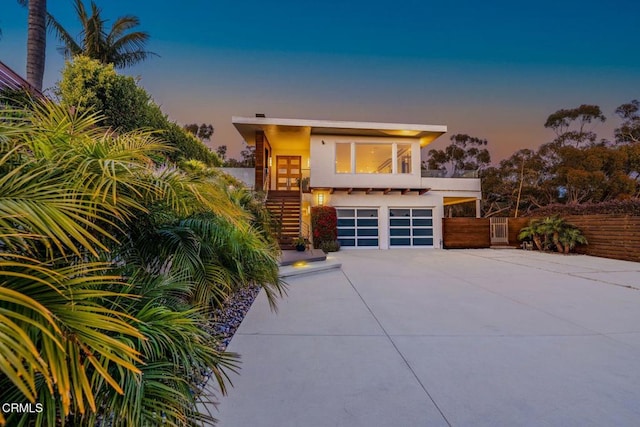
point(410, 227)
point(373, 158)
point(343, 157)
point(358, 227)
point(403, 158)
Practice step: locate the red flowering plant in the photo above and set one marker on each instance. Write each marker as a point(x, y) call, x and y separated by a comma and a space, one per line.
point(324, 223)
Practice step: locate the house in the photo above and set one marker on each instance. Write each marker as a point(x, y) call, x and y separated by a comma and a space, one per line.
point(370, 172)
point(11, 81)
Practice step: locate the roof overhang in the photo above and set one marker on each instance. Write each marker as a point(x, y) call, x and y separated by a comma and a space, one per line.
point(247, 127)
point(450, 201)
point(369, 190)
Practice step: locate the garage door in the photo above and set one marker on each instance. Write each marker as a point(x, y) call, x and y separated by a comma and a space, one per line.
point(410, 227)
point(358, 227)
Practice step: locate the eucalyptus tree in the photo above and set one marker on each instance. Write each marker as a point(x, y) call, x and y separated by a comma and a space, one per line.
point(118, 45)
point(465, 152)
point(574, 126)
point(629, 130)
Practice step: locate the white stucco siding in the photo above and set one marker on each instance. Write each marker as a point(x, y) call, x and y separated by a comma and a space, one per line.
point(323, 160)
point(384, 202)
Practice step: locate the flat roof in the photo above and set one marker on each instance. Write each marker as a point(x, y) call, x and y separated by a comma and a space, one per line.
point(247, 126)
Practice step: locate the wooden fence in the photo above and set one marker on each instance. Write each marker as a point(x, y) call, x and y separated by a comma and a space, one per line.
point(460, 233)
point(609, 236)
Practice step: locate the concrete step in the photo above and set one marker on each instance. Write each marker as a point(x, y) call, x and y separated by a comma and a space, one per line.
point(300, 269)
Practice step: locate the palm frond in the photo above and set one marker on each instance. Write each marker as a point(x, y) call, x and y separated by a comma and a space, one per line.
point(65, 314)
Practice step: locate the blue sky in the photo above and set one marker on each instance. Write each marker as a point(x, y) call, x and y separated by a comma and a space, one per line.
point(491, 69)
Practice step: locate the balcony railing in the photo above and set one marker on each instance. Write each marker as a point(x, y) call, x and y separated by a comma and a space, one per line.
point(443, 173)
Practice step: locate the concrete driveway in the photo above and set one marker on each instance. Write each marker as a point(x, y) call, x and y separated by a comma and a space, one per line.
point(436, 338)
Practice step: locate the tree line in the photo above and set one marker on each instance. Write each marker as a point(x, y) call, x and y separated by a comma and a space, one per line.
point(576, 167)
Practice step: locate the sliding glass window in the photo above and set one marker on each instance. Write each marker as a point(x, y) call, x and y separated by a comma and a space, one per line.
point(374, 158)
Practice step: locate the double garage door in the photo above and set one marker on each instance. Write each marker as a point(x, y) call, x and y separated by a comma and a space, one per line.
point(407, 227)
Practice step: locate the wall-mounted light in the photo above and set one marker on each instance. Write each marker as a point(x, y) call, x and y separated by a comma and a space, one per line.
point(270, 161)
point(320, 199)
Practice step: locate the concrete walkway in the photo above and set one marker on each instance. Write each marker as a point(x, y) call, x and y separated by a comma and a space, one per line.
point(436, 338)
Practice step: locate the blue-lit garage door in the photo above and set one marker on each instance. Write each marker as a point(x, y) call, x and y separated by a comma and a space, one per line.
point(410, 227)
point(358, 227)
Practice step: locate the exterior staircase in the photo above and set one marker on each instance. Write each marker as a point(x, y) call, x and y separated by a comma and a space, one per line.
point(284, 207)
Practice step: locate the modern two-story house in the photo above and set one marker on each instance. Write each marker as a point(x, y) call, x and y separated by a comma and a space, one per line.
point(370, 172)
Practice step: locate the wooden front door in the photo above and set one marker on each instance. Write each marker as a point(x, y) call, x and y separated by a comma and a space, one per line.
point(288, 173)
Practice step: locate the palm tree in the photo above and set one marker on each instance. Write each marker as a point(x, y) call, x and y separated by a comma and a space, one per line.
point(109, 265)
point(533, 232)
point(552, 227)
point(571, 237)
point(60, 331)
point(36, 41)
point(117, 46)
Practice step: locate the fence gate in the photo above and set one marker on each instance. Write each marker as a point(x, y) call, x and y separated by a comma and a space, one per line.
point(499, 230)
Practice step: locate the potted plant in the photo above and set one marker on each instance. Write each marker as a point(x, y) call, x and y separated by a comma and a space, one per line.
point(304, 185)
point(300, 243)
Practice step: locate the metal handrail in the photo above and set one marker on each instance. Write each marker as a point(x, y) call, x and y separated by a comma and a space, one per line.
point(300, 222)
point(265, 185)
point(305, 229)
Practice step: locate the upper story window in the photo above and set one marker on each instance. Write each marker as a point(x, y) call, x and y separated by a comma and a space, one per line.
point(373, 158)
point(343, 157)
point(403, 159)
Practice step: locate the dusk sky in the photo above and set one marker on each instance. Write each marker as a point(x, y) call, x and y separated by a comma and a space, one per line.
point(493, 69)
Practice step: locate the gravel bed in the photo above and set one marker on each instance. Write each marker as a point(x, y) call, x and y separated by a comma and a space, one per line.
point(225, 320)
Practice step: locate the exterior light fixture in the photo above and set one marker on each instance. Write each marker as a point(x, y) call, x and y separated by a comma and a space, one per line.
point(320, 199)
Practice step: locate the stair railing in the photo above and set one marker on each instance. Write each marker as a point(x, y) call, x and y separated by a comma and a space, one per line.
point(265, 185)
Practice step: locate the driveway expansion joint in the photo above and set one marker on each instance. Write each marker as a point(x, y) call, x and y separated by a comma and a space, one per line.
point(404, 359)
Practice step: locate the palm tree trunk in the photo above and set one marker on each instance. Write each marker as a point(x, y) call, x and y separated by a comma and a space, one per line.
point(538, 242)
point(36, 42)
point(556, 241)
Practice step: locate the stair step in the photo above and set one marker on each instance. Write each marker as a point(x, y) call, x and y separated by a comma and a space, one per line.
point(285, 207)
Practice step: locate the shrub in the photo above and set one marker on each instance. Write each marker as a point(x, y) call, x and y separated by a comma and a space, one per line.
point(124, 106)
point(324, 223)
point(552, 233)
point(612, 207)
point(330, 246)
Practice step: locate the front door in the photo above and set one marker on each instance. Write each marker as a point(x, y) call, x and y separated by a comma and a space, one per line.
point(288, 173)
